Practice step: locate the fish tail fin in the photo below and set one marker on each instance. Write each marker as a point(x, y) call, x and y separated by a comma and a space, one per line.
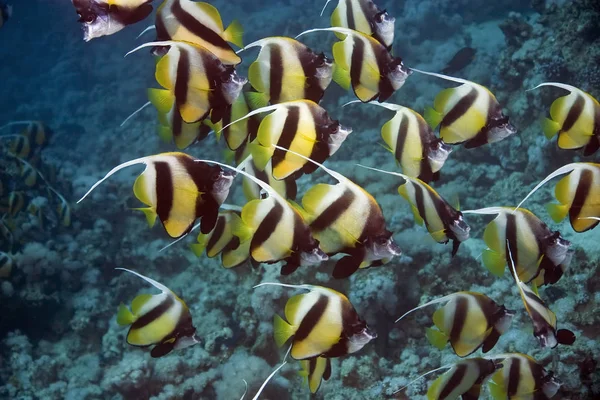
point(164, 133)
point(257, 100)
point(161, 99)
point(234, 33)
point(341, 76)
point(261, 155)
point(281, 330)
point(551, 128)
point(149, 213)
point(494, 262)
point(200, 245)
point(125, 316)
point(432, 117)
point(240, 229)
point(436, 338)
point(558, 212)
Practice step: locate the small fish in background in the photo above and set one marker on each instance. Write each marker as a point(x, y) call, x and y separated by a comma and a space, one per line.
point(16, 203)
point(543, 319)
point(412, 142)
point(197, 23)
point(105, 17)
point(178, 189)
point(321, 322)
point(364, 16)
point(575, 118)
point(238, 135)
point(578, 195)
point(315, 370)
point(468, 321)
point(541, 255)
point(6, 265)
point(522, 377)
point(160, 320)
point(6, 11)
point(366, 65)
point(287, 70)
point(468, 114)
point(460, 61)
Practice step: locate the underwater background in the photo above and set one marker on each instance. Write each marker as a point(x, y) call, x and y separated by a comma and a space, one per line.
point(59, 338)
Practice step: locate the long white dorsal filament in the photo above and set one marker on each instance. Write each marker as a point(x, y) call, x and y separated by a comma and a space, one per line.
point(252, 113)
point(134, 113)
point(489, 211)
point(429, 303)
point(324, 7)
point(558, 85)
point(442, 76)
point(151, 281)
point(267, 380)
point(389, 106)
point(344, 31)
point(153, 44)
point(562, 170)
point(303, 286)
point(406, 177)
point(422, 376)
point(339, 177)
point(148, 29)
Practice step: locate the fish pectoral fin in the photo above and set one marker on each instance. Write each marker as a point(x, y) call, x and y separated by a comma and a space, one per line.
point(163, 348)
point(550, 127)
point(149, 213)
point(282, 330)
point(234, 33)
point(437, 338)
point(346, 266)
point(125, 316)
point(558, 212)
point(494, 262)
point(341, 77)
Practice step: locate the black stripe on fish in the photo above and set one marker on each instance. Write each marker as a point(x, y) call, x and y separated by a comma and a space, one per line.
point(164, 189)
point(275, 74)
point(514, 377)
point(582, 193)
point(350, 15)
point(267, 226)
point(401, 137)
point(458, 320)
point(574, 113)
point(153, 314)
point(197, 28)
point(216, 233)
point(288, 133)
point(333, 211)
point(460, 108)
point(455, 380)
point(182, 78)
point(356, 62)
point(427, 138)
point(312, 318)
point(511, 238)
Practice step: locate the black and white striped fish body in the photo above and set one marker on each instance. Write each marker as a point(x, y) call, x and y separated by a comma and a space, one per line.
point(198, 23)
point(463, 379)
point(161, 320)
point(523, 378)
point(345, 219)
point(469, 114)
point(415, 147)
point(364, 16)
point(323, 323)
point(540, 255)
point(287, 187)
point(374, 73)
point(469, 321)
point(442, 220)
point(315, 370)
point(287, 70)
point(238, 135)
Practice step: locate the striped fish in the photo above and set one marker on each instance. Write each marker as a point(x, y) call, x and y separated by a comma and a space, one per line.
point(179, 190)
point(412, 142)
point(195, 80)
point(287, 70)
point(287, 188)
point(468, 114)
point(463, 379)
point(16, 203)
point(302, 126)
point(315, 370)
point(321, 322)
point(198, 23)
point(238, 135)
point(522, 378)
point(543, 319)
point(575, 118)
point(578, 195)
point(221, 240)
point(373, 72)
point(468, 320)
point(161, 320)
point(29, 143)
point(346, 219)
point(364, 16)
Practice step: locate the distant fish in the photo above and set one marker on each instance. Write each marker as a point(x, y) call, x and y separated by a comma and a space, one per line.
point(468, 114)
point(198, 23)
point(5, 13)
point(364, 16)
point(106, 17)
point(160, 320)
point(575, 118)
point(6, 265)
point(461, 60)
point(315, 370)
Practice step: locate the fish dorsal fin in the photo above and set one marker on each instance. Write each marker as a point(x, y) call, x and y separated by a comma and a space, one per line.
point(261, 42)
point(324, 7)
point(559, 85)
point(148, 29)
point(133, 114)
point(301, 286)
point(339, 177)
point(153, 44)
point(262, 387)
point(422, 376)
point(446, 77)
point(151, 281)
point(430, 303)
point(255, 112)
point(383, 104)
point(562, 170)
point(489, 211)
point(212, 13)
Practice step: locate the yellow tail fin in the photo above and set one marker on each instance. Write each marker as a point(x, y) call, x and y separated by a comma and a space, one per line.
point(234, 33)
point(494, 262)
point(124, 316)
point(281, 330)
point(260, 154)
point(341, 76)
point(436, 338)
point(432, 117)
point(558, 212)
point(150, 215)
point(550, 127)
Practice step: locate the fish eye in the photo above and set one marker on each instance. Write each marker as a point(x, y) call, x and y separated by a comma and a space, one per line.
point(90, 18)
point(333, 128)
point(381, 16)
point(215, 176)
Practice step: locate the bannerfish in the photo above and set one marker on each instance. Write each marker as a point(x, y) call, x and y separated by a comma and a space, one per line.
point(578, 195)
point(412, 142)
point(575, 118)
point(221, 240)
point(321, 322)
point(460, 61)
point(160, 320)
point(468, 320)
point(468, 114)
point(543, 319)
point(106, 17)
point(364, 16)
point(16, 203)
point(200, 24)
point(29, 143)
point(443, 222)
point(541, 255)
point(522, 377)
point(287, 187)
point(5, 13)
point(315, 370)
point(195, 80)
point(366, 65)
point(287, 70)
point(178, 190)
point(346, 219)
point(238, 135)
point(302, 126)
